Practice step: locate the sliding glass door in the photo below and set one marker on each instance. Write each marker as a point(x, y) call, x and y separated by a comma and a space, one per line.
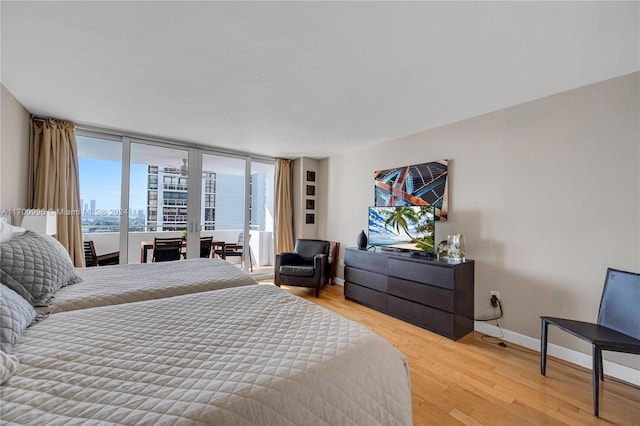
point(158, 197)
point(136, 190)
point(237, 208)
point(100, 172)
point(261, 202)
point(222, 207)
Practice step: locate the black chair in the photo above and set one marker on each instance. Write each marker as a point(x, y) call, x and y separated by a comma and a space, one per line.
point(307, 266)
point(92, 259)
point(617, 329)
point(166, 249)
point(205, 246)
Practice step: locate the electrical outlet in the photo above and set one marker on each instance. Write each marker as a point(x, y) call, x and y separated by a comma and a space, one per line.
point(495, 299)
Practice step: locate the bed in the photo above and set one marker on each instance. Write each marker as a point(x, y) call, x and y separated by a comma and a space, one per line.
point(112, 285)
point(40, 270)
point(237, 356)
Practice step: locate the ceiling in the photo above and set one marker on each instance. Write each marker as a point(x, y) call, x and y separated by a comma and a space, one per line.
point(312, 79)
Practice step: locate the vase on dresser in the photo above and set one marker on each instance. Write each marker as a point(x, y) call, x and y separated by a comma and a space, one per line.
point(362, 240)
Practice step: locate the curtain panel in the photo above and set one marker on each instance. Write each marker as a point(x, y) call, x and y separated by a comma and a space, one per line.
point(283, 220)
point(54, 182)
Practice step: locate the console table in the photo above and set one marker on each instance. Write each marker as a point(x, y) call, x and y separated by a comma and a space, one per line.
point(432, 294)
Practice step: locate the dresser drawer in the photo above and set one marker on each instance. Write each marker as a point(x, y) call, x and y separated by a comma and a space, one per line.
point(439, 276)
point(366, 278)
point(363, 259)
point(423, 316)
point(371, 298)
point(435, 297)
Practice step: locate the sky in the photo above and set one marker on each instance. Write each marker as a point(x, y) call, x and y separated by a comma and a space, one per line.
point(100, 180)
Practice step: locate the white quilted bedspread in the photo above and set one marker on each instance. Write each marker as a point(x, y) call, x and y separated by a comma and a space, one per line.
point(253, 355)
point(112, 285)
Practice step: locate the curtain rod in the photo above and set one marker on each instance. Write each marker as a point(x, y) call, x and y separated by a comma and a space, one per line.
point(43, 119)
point(121, 133)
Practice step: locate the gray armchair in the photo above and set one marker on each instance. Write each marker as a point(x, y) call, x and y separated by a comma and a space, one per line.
point(307, 266)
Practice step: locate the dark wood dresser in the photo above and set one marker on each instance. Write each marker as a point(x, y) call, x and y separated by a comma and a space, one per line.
point(431, 294)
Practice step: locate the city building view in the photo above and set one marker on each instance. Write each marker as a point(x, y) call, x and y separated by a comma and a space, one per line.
point(167, 203)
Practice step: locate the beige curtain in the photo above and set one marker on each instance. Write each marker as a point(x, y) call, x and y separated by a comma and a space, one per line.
point(53, 180)
point(283, 222)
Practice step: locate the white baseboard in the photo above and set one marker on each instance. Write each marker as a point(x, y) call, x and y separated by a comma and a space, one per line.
point(622, 372)
point(619, 371)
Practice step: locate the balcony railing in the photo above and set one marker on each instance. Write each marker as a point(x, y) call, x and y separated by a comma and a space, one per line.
point(172, 220)
point(176, 187)
point(172, 202)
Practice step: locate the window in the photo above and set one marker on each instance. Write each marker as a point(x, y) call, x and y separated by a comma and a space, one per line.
point(100, 171)
point(157, 198)
point(164, 192)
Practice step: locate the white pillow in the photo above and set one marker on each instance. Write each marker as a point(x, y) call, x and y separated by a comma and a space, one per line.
point(7, 231)
point(8, 365)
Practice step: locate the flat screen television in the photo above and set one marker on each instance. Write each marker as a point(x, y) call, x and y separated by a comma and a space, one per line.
point(403, 228)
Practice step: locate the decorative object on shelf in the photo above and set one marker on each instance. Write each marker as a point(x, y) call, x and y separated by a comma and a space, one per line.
point(443, 248)
point(362, 240)
point(311, 218)
point(311, 176)
point(311, 204)
point(311, 190)
point(455, 247)
point(184, 234)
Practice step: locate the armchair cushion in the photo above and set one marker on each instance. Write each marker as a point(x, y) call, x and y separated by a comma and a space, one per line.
point(290, 259)
point(308, 249)
point(297, 270)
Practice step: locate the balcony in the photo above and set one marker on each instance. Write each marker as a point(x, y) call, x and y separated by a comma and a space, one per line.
point(172, 202)
point(175, 187)
point(106, 240)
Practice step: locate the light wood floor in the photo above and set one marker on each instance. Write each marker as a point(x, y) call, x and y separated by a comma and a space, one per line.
point(474, 382)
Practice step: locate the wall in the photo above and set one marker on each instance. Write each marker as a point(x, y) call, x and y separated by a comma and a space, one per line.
point(547, 194)
point(14, 152)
